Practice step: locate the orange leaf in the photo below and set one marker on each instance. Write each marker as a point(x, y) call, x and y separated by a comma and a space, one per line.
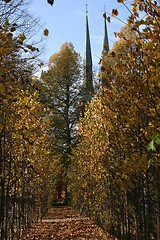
point(108, 19)
point(115, 34)
point(119, 35)
point(46, 32)
point(102, 69)
point(114, 12)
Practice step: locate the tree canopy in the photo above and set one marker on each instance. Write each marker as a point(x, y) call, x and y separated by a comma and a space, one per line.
point(114, 175)
point(26, 163)
point(61, 92)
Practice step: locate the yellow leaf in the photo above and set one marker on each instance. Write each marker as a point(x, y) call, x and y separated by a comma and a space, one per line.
point(153, 79)
point(22, 37)
point(149, 45)
point(1, 127)
point(2, 87)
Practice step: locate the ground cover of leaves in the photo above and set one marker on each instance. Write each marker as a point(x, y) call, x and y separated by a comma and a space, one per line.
point(64, 224)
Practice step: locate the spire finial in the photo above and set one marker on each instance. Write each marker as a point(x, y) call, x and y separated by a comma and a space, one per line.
point(104, 8)
point(86, 9)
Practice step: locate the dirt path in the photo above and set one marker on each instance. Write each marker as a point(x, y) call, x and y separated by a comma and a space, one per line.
point(64, 223)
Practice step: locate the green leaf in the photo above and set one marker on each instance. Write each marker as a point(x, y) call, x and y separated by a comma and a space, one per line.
point(151, 146)
point(153, 161)
point(154, 136)
point(158, 140)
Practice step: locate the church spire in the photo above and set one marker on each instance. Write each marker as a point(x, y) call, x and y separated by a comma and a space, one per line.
point(105, 37)
point(105, 48)
point(88, 82)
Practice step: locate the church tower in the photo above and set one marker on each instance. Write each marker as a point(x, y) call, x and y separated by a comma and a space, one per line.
point(87, 64)
point(105, 37)
point(105, 47)
point(88, 90)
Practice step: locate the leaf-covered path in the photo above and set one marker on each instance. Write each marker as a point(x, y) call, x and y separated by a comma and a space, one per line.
point(64, 223)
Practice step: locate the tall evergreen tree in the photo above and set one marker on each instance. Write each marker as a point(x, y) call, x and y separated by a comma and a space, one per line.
point(61, 92)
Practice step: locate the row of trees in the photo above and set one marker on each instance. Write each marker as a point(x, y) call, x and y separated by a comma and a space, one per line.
point(26, 159)
point(115, 170)
point(38, 121)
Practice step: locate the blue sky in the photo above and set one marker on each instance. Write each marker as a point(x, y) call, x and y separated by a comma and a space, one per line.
point(65, 21)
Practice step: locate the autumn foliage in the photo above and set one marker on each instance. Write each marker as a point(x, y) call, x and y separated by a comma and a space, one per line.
point(114, 172)
point(116, 168)
point(25, 159)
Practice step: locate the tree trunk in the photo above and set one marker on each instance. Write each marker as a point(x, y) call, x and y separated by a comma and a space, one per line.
point(7, 198)
point(158, 204)
point(2, 207)
point(13, 213)
point(148, 208)
point(2, 171)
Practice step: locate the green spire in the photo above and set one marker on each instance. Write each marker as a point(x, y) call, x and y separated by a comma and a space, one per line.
point(105, 37)
point(88, 82)
point(105, 48)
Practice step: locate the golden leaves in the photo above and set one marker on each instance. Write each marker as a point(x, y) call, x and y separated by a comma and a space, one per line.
point(22, 37)
point(128, 112)
point(149, 45)
point(22, 117)
point(30, 47)
point(134, 9)
point(2, 88)
point(153, 79)
point(131, 19)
